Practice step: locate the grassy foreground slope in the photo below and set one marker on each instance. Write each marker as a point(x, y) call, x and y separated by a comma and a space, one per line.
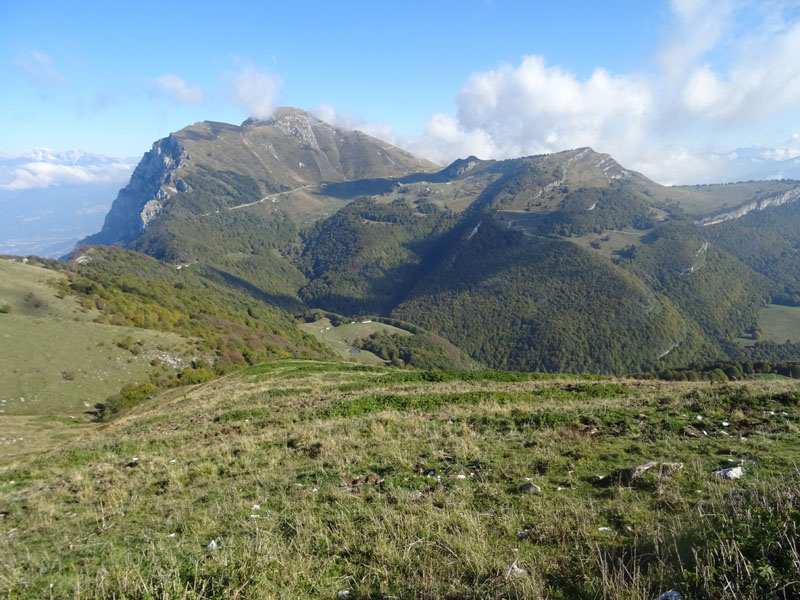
point(315, 477)
point(57, 363)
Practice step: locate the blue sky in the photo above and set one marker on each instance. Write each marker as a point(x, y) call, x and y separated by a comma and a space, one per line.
point(664, 86)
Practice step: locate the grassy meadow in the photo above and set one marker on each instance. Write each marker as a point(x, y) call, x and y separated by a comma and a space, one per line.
point(57, 363)
point(319, 479)
point(340, 339)
point(778, 324)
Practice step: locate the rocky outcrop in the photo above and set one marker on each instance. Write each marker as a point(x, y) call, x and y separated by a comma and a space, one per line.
point(153, 182)
point(740, 211)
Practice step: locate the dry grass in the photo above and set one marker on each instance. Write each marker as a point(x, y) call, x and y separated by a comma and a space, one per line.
point(419, 502)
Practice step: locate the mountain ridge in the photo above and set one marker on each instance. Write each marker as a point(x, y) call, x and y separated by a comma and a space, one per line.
point(304, 215)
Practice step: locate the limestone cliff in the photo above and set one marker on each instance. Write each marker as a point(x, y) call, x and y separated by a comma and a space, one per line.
point(153, 182)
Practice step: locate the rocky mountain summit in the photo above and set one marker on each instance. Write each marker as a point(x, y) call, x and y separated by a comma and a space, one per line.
point(290, 150)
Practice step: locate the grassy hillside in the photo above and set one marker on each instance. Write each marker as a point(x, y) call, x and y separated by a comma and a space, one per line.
point(314, 479)
point(57, 363)
point(341, 338)
point(238, 322)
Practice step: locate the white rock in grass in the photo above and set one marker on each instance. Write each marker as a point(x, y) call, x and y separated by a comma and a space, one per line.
point(256, 507)
point(730, 473)
point(344, 595)
point(212, 545)
point(514, 570)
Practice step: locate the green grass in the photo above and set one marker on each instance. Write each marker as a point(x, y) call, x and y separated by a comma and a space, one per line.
point(413, 491)
point(30, 290)
point(609, 242)
point(340, 339)
point(57, 363)
point(778, 324)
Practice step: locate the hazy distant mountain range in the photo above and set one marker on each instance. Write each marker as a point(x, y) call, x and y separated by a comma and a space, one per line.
point(49, 199)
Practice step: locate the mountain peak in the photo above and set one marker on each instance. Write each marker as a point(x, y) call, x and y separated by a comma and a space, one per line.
point(283, 115)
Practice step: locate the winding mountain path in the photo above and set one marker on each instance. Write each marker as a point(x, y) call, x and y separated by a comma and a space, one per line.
point(270, 197)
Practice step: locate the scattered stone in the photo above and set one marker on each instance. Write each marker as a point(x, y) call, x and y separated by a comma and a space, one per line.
point(530, 488)
point(690, 431)
point(256, 507)
point(598, 478)
point(635, 472)
point(523, 534)
point(730, 473)
point(726, 424)
point(343, 595)
point(604, 529)
point(461, 476)
point(171, 535)
point(212, 545)
point(514, 570)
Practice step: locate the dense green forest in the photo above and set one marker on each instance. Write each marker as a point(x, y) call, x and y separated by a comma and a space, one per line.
point(768, 241)
point(364, 258)
point(712, 288)
point(516, 303)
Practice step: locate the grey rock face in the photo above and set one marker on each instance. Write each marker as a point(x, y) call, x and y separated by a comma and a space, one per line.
point(143, 198)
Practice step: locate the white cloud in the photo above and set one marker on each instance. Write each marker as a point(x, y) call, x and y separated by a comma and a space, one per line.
point(178, 90)
point(43, 168)
point(343, 120)
point(710, 78)
point(724, 67)
point(255, 91)
point(535, 108)
point(697, 27)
